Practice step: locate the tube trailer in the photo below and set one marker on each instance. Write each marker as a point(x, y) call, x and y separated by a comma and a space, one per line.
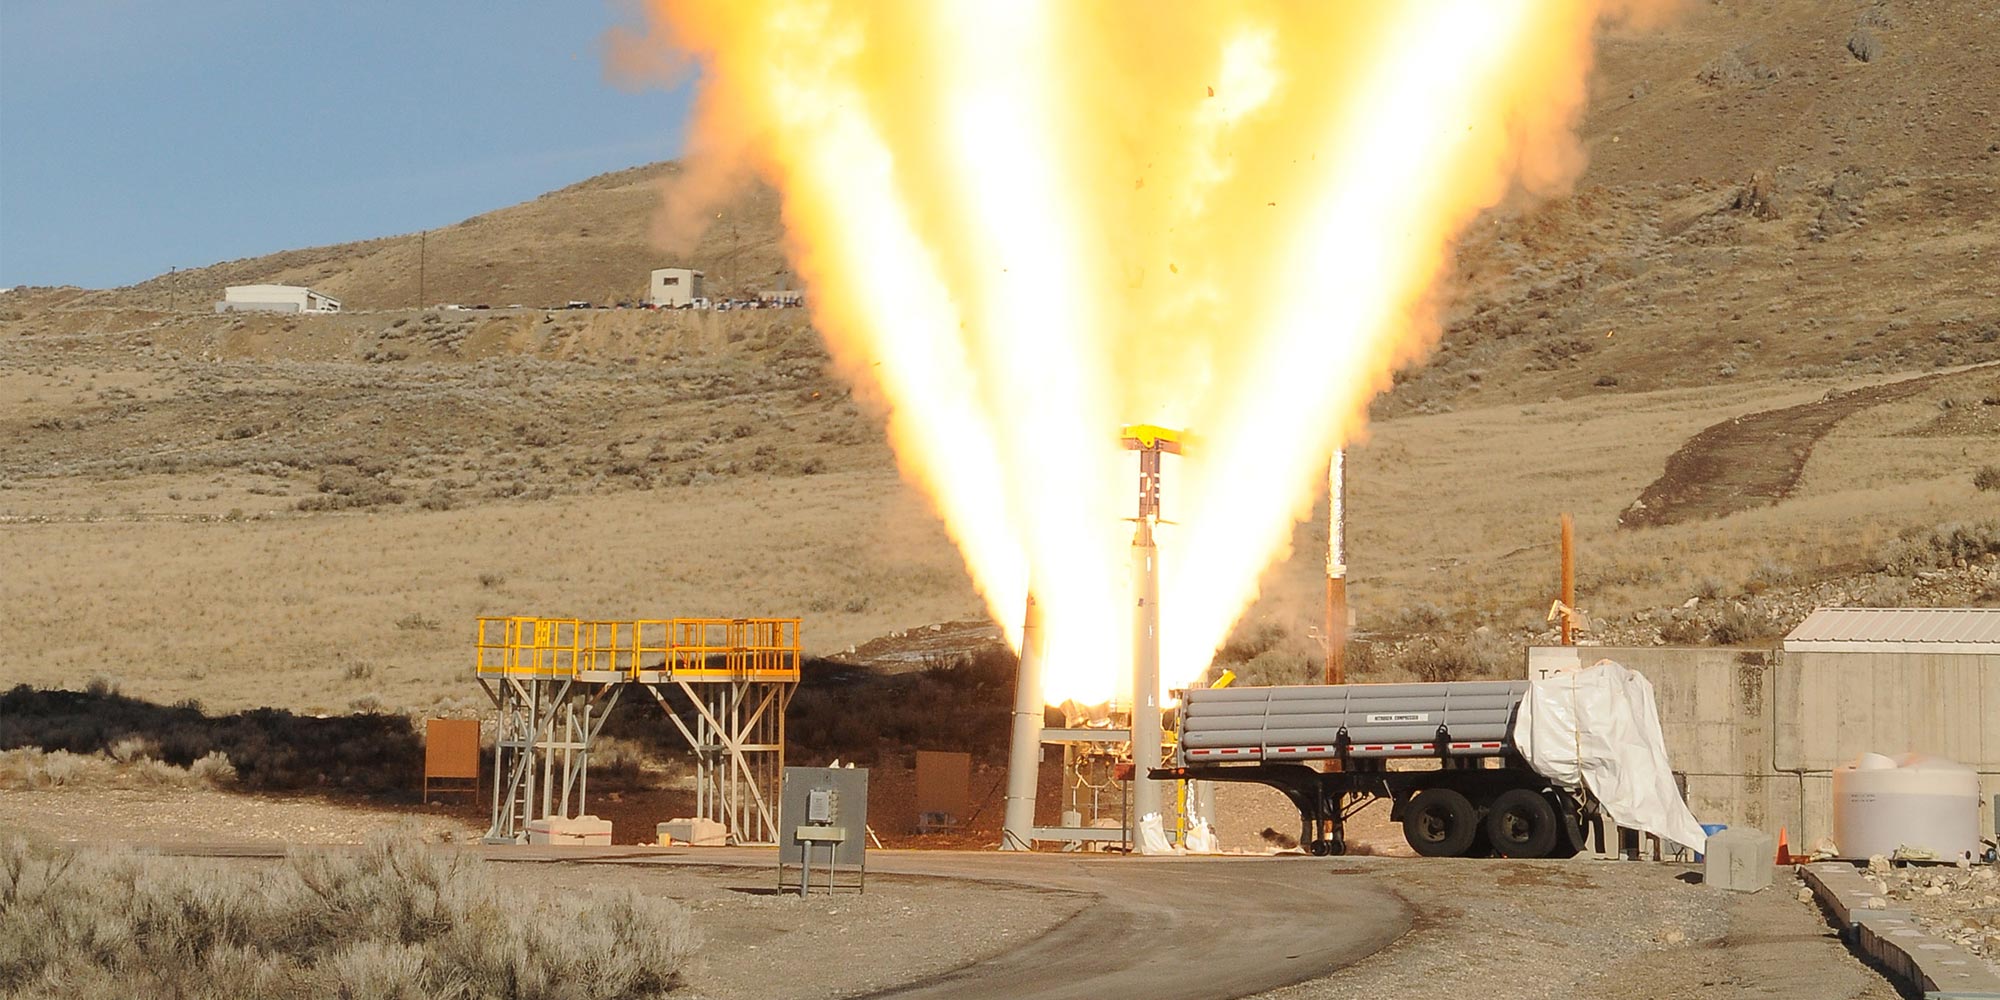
point(1332, 749)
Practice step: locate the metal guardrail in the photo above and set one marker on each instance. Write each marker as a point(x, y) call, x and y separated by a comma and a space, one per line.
point(648, 650)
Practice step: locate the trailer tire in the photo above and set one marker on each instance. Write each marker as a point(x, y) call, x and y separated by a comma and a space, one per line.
point(1440, 823)
point(1570, 840)
point(1522, 824)
point(1328, 847)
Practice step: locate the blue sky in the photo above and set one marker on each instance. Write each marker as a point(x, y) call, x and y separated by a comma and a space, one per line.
point(146, 134)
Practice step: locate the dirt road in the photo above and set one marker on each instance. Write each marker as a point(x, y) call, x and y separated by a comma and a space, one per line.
point(1755, 460)
point(1163, 928)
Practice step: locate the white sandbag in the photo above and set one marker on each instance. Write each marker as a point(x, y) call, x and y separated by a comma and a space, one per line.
point(1153, 836)
point(1599, 728)
point(1200, 839)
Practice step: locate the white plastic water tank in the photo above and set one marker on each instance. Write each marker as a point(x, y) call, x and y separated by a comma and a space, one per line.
point(1916, 801)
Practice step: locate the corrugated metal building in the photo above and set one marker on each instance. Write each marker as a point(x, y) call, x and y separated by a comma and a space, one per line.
point(1758, 732)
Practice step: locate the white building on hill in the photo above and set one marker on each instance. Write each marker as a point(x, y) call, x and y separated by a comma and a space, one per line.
point(275, 298)
point(674, 287)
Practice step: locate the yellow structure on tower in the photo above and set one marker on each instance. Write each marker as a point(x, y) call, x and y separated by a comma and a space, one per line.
point(724, 683)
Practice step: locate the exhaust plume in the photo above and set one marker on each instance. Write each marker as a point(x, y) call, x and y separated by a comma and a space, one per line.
point(1029, 223)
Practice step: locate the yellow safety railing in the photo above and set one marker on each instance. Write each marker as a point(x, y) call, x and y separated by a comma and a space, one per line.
point(691, 649)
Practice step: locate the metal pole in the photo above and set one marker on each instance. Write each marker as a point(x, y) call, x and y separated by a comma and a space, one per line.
point(1146, 793)
point(1024, 761)
point(1568, 580)
point(1335, 630)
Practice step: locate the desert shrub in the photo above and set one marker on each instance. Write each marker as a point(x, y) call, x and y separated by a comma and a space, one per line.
point(1885, 592)
point(1987, 478)
point(416, 622)
point(1940, 546)
point(1361, 657)
point(1731, 69)
point(1709, 588)
point(31, 768)
point(269, 748)
point(1417, 618)
point(1684, 631)
point(393, 920)
point(1449, 660)
point(133, 748)
point(1772, 573)
point(344, 486)
point(1739, 625)
point(1286, 664)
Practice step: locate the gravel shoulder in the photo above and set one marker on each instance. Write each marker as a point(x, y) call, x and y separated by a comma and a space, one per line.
point(1552, 930)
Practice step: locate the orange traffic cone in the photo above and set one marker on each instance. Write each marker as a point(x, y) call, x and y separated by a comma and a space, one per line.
point(1784, 848)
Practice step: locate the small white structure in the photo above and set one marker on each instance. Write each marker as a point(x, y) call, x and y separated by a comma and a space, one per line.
point(275, 298)
point(675, 287)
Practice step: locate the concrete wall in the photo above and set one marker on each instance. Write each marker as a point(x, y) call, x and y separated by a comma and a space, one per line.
point(1759, 732)
point(1834, 707)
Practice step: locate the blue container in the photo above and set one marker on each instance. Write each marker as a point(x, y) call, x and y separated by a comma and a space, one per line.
point(1709, 830)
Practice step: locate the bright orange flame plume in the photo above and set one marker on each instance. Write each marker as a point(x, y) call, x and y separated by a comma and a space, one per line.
point(1029, 223)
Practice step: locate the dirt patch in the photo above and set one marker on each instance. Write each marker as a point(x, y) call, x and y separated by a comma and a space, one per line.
point(1637, 932)
point(1543, 875)
point(1755, 460)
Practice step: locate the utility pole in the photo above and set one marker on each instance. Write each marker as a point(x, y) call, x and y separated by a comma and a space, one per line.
point(423, 245)
point(1334, 628)
point(173, 288)
point(1568, 597)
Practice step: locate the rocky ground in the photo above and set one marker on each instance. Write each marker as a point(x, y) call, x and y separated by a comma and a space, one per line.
point(1959, 904)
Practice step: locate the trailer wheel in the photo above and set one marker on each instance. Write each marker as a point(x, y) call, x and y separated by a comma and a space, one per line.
point(1440, 823)
point(1522, 824)
point(1329, 846)
point(1569, 832)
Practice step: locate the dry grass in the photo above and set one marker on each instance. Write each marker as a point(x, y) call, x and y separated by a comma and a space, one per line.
point(394, 920)
point(1453, 517)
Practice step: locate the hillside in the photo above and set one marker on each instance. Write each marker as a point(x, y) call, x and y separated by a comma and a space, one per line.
point(1771, 227)
point(588, 241)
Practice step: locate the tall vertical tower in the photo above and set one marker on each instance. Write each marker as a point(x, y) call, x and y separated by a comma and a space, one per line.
point(1024, 762)
point(1150, 442)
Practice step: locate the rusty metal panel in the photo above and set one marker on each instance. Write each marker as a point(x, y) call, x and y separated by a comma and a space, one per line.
point(451, 748)
point(944, 786)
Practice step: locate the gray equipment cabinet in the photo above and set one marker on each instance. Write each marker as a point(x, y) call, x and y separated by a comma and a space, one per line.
point(823, 829)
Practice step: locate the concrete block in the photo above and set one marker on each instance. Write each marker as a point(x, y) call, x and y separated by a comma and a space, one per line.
point(585, 830)
point(696, 832)
point(1740, 859)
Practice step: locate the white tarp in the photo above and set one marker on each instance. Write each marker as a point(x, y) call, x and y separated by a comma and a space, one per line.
point(1598, 728)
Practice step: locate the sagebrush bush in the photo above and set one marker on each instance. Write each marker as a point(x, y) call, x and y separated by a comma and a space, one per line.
point(31, 767)
point(1739, 625)
point(1449, 660)
point(1939, 547)
point(270, 749)
point(393, 920)
point(1986, 478)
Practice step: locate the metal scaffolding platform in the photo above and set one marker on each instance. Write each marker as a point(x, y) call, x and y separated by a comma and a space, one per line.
point(724, 683)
